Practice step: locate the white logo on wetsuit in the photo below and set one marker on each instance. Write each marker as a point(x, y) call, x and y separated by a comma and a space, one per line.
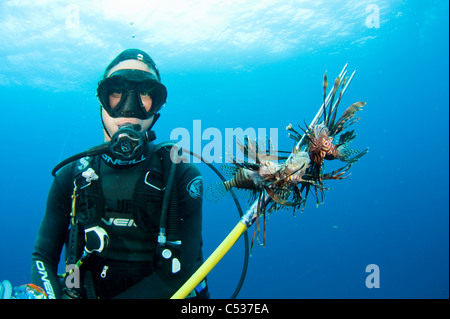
point(123, 222)
point(194, 187)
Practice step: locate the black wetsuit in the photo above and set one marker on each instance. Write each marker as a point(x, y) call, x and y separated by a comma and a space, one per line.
point(130, 256)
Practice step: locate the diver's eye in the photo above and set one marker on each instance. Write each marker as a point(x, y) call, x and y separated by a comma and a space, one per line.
point(115, 91)
point(146, 100)
point(115, 95)
point(145, 90)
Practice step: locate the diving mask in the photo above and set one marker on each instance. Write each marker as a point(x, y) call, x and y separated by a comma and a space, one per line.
point(132, 93)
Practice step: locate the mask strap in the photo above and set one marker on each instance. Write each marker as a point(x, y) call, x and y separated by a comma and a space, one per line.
point(155, 118)
point(103, 123)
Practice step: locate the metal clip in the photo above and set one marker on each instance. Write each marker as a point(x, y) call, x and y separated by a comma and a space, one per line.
point(105, 269)
point(151, 185)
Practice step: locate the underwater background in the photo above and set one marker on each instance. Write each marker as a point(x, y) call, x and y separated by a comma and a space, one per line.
point(250, 64)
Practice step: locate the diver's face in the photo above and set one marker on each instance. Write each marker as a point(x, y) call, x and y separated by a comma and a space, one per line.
point(111, 123)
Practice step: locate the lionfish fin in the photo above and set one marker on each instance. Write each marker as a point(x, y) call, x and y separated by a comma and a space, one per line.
point(331, 121)
point(325, 86)
point(215, 192)
point(347, 153)
point(347, 115)
point(278, 199)
point(346, 138)
point(337, 82)
point(228, 170)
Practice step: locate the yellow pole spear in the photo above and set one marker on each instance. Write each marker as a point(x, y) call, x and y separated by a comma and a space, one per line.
point(245, 222)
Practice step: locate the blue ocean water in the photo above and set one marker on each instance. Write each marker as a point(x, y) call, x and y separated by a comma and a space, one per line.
point(251, 64)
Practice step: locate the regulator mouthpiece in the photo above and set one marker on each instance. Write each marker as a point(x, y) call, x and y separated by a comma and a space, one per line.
point(127, 143)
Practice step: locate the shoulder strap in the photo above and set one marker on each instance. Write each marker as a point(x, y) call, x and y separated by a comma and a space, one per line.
point(89, 201)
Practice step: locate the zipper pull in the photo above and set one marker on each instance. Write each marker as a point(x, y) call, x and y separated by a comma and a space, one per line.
point(105, 269)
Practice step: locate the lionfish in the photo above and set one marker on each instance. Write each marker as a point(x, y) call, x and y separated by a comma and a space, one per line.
point(319, 139)
point(289, 182)
point(265, 175)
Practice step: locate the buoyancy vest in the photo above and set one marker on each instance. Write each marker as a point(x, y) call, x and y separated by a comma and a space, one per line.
point(150, 184)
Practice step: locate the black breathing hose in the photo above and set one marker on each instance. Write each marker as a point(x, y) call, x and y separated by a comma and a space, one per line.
point(102, 148)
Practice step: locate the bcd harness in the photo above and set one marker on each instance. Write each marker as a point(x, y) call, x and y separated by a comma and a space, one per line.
point(154, 207)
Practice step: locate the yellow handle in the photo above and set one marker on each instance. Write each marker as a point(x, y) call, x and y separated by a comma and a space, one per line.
point(211, 262)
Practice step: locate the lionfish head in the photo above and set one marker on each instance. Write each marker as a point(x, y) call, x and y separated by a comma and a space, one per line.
point(321, 143)
point(319, 138)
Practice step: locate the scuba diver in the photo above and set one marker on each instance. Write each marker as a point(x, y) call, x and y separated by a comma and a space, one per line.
point(128, 212)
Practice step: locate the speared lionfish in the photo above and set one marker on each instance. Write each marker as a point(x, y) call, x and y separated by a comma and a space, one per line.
point(265, 175)
point(285, 182)
point(319, 138)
